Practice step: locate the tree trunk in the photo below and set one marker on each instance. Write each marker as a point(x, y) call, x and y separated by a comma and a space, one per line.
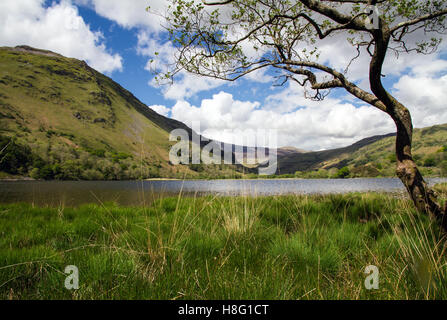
point(423, 197)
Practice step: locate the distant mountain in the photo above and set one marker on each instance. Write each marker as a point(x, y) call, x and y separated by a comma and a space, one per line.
point(287, 150)
point(291, 161)
point(373, 156)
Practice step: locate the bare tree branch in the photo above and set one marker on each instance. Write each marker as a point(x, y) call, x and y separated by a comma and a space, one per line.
point(217, 3)
point(334, 14)
point(420, 19)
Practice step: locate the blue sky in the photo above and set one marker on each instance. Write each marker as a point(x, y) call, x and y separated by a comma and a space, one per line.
point(119, 38)
point(133, 76)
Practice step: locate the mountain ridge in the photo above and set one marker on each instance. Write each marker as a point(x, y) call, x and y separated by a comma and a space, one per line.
point(76, 123)
point(67, 112)
point(371, 157)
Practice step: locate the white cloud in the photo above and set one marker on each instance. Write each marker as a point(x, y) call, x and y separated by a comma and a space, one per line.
point(316, 125)
point(162, 56)
point(188, 85)
point(425, 97)
point(160, 110)
point(220, 112)
point(127, 13)
point(328, 124)
point(335, 51)
point(300, 122)
point(58, 28)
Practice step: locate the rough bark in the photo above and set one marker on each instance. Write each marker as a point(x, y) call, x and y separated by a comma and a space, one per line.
point(422, 195)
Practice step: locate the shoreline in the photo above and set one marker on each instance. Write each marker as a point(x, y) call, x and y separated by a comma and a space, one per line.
point(18, 179)
point(204, 179)
point(189, 197)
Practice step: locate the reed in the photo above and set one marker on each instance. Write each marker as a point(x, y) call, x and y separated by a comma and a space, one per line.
point(280, 247)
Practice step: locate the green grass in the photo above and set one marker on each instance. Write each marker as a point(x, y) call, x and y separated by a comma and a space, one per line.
point(441, 188)
point(288, 247)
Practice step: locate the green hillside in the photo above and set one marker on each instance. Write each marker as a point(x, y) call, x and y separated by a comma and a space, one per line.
point(429, 150)
point(60, 119)
point(371, 157)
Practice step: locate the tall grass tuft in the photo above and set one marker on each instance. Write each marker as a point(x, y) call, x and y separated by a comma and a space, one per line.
point(281, 247)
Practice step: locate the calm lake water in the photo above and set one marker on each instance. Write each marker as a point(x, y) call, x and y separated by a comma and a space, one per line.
point(136, 193)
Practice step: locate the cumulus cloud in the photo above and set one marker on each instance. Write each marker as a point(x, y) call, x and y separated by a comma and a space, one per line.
point(160, 110)
point(425, 96)
point(128, 14)
point(328, 124)
point(336, 52)
point(219, 113)
point(335, 122)
point(316, 125)
point(188, 85)
point(162, 56)
point(58, 28)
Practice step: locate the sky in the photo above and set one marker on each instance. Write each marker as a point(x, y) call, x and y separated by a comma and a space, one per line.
point(119, 38)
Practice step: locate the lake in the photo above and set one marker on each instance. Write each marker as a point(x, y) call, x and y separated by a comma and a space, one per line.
point(136, 193)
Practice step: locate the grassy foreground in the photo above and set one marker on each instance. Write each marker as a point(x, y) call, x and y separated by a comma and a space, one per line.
point(288, 247)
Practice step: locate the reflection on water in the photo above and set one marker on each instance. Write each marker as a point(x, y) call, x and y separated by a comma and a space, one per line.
point(137, 193)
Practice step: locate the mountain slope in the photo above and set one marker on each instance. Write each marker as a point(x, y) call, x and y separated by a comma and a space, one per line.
point(429, 151)
point(373, 156)
point(80, 124)
point(298, 161)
